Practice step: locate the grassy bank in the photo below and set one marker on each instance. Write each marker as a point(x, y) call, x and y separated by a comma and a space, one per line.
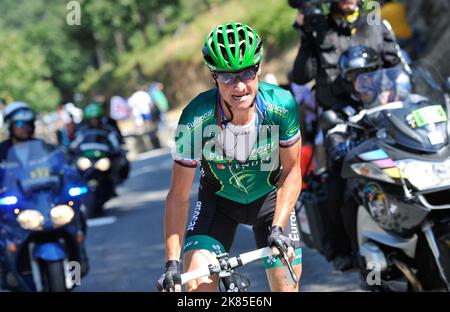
point(177, 62)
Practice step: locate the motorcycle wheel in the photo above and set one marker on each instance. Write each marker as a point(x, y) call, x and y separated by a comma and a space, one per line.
point(53, 276)
point(93, 205)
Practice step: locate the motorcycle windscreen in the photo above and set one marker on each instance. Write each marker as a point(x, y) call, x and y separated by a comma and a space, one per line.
point(422, 123)
point(31, 166)
point(95, 144)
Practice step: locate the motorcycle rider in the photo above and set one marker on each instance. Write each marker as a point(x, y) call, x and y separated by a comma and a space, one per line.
point(93, 114)
point(106, 118)
point(318, 58)
point(338, 142)
point(18, 120)
point(320, 51)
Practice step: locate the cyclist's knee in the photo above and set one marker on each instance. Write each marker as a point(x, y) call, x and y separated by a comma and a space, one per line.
point(280, 280)
point(195, 259)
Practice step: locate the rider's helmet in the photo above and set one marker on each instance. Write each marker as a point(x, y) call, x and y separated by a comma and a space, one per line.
point(93, 110)
point(356, 60)
point(232, 47)
point(18, 112)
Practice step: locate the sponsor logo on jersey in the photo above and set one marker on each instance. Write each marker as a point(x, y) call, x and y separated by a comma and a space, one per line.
point(277, 109)
point(199, 120)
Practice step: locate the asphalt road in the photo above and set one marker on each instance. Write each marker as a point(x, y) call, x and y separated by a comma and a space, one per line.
point(126, 247)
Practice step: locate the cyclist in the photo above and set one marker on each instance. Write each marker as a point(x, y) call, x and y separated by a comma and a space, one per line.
point(246, 136)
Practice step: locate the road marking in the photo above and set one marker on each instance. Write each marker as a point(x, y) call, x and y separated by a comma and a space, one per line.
point(143, 198)
point(152, 154)
point(101, 221)
point(167, 164)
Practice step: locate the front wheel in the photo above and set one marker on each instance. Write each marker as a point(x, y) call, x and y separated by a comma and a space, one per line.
point(94, 204)
point(53, 276)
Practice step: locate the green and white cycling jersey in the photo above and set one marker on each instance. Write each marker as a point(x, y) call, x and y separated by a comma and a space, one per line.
point(277, 122)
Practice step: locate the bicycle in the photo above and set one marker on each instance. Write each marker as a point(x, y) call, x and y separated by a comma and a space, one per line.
point(225, 269)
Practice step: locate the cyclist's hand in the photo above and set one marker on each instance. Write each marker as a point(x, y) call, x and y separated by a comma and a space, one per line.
point(171, 279)
point(278, 240)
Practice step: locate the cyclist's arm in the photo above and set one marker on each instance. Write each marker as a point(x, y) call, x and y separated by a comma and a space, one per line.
point(176, 209)
point(289, 184)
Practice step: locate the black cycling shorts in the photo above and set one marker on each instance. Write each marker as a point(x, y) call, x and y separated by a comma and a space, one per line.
point(215, 219)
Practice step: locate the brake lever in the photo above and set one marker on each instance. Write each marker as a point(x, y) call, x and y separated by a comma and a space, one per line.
point(283, 251)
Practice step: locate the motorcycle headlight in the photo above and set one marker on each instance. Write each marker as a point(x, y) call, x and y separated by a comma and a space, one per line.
point(61, 215)
point(426, 174)
point(31, 220)
point(83, 163)
point(103, 164)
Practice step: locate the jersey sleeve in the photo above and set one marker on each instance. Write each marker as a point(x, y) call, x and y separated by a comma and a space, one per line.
point(187, 150)
point(290, 123)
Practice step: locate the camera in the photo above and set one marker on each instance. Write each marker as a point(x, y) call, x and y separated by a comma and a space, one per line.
point(315, 19)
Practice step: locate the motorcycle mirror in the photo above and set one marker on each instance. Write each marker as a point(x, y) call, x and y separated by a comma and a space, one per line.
point(329, 119)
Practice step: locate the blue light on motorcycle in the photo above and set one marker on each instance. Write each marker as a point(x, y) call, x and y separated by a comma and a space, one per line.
point(373, 155)
point(9, 200)
point(77, 191)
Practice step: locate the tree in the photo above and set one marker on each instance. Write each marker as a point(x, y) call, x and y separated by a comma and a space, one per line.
point(24, 74)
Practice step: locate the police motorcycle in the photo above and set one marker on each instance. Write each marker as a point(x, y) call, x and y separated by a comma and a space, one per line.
point(42, 230)
point(399, 175)
point(96, 159)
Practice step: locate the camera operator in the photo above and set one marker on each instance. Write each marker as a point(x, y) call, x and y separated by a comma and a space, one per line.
point(324, 37)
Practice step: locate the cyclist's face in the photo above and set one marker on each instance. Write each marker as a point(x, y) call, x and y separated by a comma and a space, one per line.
point(348, 6)
point(239, 89)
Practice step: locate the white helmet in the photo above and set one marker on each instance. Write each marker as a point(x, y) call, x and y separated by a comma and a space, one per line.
point(17, 111)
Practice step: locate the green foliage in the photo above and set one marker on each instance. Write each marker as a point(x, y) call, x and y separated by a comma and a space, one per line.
point(119, 45)
point(24, 74)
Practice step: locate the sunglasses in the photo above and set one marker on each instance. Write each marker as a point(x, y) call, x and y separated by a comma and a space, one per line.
point(230, 78)
point(21, 123)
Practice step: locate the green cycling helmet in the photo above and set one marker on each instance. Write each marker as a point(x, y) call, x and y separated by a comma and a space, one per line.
point(232, 47)
point(92, 110)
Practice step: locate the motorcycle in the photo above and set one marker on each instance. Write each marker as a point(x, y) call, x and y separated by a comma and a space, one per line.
point(42, 230)
point(96, 160)
point(399, 176)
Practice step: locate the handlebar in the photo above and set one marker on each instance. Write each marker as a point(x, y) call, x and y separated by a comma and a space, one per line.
point(226, 263)
point(389, 106)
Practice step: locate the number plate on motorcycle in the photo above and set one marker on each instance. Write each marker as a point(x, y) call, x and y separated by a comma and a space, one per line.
point(429, 114)
point(92, 183)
